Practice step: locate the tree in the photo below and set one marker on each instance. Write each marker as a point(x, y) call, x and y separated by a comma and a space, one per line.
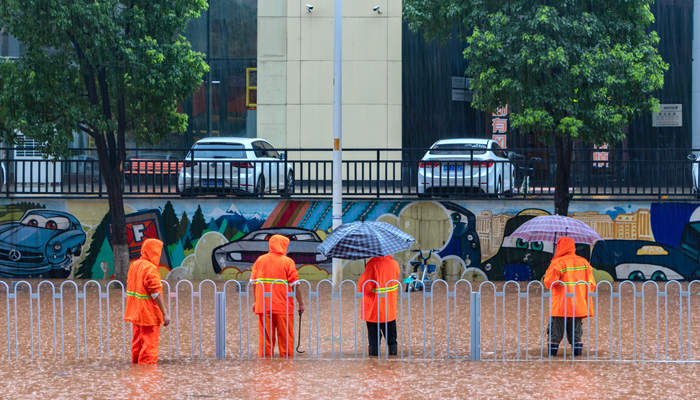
point(182, 226)
point(570, 70)
point(170, 223)
point(198, 224)
point(105, 68)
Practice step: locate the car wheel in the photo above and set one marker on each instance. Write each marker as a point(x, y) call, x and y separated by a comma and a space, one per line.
point(636, 276)
point(659, 276)
point(289, 184)
point(260, 186)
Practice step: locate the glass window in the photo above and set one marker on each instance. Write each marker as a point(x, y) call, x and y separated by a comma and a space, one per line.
point(270, 151)
point(218, 150)
point(259, 149)
point(233, 28)
point(458, 148)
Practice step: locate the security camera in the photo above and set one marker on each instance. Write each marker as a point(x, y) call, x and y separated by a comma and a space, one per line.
point(377, 9)
point(309, 7)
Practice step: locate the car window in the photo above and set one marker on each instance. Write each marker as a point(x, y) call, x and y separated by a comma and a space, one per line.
point(259, 149)
point(39, 221)
point(304, 237)
point(458, 148)
point(260, 236)
point(270, 151)
point(218, 150)
point(497, 150)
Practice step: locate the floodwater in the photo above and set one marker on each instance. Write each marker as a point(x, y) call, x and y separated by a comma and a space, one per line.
point(369, 379)
point(90, 359)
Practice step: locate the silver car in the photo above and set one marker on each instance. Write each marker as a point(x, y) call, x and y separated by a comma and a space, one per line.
point(478, 165)
point(234, 165)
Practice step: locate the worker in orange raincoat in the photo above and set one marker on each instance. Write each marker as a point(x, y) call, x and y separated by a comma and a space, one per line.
point(379, 285)
point(275, 273)
point(144, 303)
point(568, 273)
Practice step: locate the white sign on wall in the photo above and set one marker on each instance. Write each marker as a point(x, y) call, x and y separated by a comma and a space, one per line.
point(669, 116)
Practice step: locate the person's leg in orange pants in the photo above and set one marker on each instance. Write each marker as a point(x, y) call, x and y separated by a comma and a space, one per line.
point(284, 327)
point(264, 329)
point(144, 344)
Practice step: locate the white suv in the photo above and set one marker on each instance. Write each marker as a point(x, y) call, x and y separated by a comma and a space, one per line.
point(234, 165)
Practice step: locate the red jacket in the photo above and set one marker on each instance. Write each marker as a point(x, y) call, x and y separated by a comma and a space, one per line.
point(385, 272)
point(271, 271)
point(142, 282)
point(569, 268)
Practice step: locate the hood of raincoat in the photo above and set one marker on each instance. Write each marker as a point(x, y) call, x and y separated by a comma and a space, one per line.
point(150, 251)
point(279, 244)
point(565, 247)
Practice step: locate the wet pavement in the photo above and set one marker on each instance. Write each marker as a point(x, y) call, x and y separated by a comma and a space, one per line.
point(370, 379)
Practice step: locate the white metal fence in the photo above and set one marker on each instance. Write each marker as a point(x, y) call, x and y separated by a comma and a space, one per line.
point(459, 320)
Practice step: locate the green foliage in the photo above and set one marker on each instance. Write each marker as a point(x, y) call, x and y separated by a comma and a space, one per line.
point(575, 68)
point(102, 67)
point(98, 237)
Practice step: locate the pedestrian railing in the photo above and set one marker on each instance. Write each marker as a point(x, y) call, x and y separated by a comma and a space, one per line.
point(498, 321)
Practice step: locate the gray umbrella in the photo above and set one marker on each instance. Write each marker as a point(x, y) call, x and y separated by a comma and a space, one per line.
point(359, 240)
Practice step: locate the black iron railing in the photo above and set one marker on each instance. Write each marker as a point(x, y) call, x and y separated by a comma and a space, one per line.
point(393, 173)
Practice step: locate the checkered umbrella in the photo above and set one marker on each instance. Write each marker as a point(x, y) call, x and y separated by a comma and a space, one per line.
point(359, 240)
point(548, 228)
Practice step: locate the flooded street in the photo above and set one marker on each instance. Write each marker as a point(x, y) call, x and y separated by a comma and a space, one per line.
point(227, 379)
point(85, 357)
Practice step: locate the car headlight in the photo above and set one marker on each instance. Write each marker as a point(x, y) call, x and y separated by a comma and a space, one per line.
point(57, 247)
point(235, 256)
point(320, 257)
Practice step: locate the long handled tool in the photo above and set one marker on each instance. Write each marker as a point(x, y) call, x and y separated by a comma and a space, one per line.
point(299, 334)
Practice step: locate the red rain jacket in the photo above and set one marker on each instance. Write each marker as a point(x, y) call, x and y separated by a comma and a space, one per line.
point(385, 272)
point(569, 268)
point(142, 282)
point(275, 273)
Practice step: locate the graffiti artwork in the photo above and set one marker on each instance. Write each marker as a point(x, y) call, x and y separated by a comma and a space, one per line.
point(221, 238)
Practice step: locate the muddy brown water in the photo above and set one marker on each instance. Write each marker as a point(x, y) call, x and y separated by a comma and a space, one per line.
point(318, 372)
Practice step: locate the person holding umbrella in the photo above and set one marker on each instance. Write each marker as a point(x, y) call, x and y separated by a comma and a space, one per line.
point(568, 274)
point(379, 283)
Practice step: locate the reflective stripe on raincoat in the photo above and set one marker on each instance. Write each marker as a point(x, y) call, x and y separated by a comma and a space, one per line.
point(568, 268)
point(142, 282)
point(385, 272)
point(274, 273)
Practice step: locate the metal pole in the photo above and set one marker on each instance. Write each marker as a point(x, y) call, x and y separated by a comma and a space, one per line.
point(695, 76)
point(337, 131)
point(220, 324)
point(208, 57)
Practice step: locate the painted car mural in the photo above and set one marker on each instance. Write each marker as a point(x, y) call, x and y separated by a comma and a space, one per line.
point(638, 261)
point(242, 253)
point(40, 244)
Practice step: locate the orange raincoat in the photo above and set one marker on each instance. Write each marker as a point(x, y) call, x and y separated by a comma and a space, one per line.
point(568, 268)
point(275, 273)
point(143, 281)
point(385, 272)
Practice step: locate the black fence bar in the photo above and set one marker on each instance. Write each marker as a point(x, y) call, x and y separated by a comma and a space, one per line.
point(633, 173)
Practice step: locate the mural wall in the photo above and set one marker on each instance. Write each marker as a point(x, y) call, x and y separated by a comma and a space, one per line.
point(221, 238)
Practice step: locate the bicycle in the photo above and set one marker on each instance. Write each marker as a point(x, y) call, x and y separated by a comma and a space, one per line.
point(412, 282)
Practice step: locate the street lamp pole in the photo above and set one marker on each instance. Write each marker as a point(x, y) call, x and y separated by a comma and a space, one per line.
point(337, 201)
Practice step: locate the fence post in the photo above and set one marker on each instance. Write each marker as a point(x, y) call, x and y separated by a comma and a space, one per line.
point(220, 324)
point(475, 325)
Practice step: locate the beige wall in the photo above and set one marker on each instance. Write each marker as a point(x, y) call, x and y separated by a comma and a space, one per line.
point(295, 74)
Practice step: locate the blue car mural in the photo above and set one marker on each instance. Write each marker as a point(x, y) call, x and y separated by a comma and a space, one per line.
point(40, 245)
point(640, 260)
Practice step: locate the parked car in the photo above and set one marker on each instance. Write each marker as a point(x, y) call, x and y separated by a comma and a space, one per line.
point(40, 245)
point(236, 165)
point(243, 252)
point(466, 164)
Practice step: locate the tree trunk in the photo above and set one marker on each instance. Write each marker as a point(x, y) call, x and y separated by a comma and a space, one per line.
point(563, 147)
point(120, 247)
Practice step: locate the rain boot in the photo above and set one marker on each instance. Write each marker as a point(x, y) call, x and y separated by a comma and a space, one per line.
point(393, 349)
point(578, 349)
point(553, 349)
point(373, 351)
